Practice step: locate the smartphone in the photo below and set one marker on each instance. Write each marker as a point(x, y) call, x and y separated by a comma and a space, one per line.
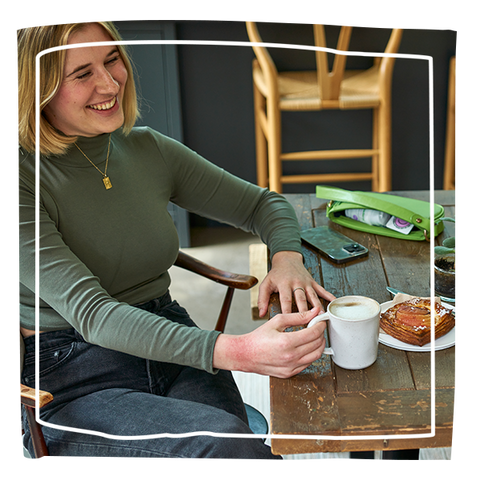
point(333, 245)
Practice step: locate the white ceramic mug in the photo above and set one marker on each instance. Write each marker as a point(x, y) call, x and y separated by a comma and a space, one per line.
point(353, 331)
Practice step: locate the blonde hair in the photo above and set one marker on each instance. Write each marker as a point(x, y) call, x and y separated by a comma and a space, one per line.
point(32, 41)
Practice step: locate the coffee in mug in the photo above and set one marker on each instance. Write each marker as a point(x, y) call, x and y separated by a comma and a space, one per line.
point(353, 331)
point(353, 310)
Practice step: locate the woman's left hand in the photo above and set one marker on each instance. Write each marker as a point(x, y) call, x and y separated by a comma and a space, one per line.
point(289, 278)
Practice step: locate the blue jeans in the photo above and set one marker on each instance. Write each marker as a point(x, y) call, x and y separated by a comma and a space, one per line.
point(106, 391)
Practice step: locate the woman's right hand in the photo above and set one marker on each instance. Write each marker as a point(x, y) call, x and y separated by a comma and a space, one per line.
point(269, 350)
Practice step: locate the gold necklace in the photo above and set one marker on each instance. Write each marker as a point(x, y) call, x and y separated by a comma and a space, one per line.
point(106, 180)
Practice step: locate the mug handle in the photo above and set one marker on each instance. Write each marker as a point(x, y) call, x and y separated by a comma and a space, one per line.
point(321, 318)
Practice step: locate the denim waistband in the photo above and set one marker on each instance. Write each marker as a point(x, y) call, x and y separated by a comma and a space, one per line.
point(53, 337)
point(156, 303)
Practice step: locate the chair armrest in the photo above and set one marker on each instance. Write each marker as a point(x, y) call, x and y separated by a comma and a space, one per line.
point(28, 400)
point(233, 280)
point(27, 397)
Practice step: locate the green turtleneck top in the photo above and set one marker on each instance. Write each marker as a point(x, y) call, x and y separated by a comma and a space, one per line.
point(102, 251)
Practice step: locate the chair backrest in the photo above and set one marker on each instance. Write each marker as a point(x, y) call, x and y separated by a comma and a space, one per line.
point(264, 59)
point(328, 80)
point(386, 63)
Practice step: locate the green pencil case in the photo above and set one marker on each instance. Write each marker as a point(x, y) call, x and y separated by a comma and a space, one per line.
point(416, 212)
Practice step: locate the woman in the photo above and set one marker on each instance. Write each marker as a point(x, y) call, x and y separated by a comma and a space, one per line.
point(120, 357)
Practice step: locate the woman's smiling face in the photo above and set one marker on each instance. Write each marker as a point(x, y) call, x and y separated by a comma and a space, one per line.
point(89, 100)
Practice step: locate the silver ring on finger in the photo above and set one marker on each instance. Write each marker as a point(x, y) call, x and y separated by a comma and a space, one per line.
point(298, 288)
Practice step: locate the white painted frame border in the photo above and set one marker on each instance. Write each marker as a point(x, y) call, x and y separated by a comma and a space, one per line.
point(427, 58)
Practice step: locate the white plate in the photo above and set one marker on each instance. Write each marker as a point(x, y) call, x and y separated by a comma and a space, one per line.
point(441, 343)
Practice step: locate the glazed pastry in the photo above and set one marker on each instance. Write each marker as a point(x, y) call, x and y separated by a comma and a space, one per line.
point(410, 321)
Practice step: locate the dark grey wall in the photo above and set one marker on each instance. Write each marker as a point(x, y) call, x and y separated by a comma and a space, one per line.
point(212, 85)
point(217, 110)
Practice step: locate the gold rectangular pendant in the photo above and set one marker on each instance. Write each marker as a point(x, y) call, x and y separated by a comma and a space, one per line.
point(107, 182)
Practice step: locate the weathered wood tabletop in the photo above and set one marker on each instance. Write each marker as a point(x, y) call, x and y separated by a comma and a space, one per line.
point(392, 397)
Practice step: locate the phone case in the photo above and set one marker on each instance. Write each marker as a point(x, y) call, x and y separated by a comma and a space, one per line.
point(333, 245)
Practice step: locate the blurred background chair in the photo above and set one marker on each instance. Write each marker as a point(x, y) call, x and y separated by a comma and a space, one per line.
point(321, 89)
point(449, 166)
point(257, 422)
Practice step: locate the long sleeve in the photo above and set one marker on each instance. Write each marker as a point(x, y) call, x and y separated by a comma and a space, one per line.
point(207, 190)
point(71, 295)
point(103, 251)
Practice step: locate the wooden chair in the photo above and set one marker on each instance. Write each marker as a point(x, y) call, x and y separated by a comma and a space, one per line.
point(232, 281)
point(322, 89)
point(449, 166)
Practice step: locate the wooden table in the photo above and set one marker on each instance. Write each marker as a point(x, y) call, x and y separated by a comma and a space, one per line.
point(392, 397)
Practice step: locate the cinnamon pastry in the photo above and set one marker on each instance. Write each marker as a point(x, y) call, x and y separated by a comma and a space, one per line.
point(410, 321)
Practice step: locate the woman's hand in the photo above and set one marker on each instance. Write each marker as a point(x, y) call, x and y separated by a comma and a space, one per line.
point(269, 350)
point(289, 278)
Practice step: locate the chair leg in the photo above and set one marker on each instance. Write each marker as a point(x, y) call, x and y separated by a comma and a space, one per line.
point(449, 168)
point(375, 172)
point(222, 318)
point(385, 147)
point(274, 146)
point(449, 165)
point(39, 445)
point(260, 139)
